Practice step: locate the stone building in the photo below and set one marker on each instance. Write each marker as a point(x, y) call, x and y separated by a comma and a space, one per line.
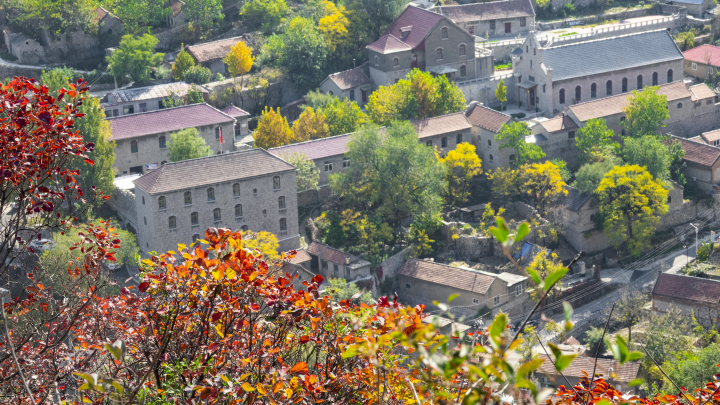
point(619, 375)
point(241, 120)
point(328, 154)
point(110, 27)
point(692, 296)
point(354, 84)
point(697, 8)
point(334, 263)
point(552, 76)
point(424, 40)
point(144, 99)
point(176, 17)
point(247, 190)
point(702, 160)
point(702, 61)
point(494, 18)
point(211, 54)
point(444, 132)
point(141, 139)
point(556, 137)
point(486, 123)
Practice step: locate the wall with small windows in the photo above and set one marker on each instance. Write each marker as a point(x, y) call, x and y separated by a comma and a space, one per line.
point(446, 142)
point(488, 150)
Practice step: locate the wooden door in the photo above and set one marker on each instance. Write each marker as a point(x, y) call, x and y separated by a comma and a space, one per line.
point(508, 27)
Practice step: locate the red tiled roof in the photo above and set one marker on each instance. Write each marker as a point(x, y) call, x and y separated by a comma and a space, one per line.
point(571, 341)
point(441, 125)
point(623, 372)
point(701, 92)
point(711, 136)
point(167, 120)
point(487, 118)
point(493, 10)
point(212, 50)
point(100, 13)
point(176, 7)
point(462, 279)
point(702, 53)
point(328, 253)
point(416, 21)
point(235, 112)
point(387, 44)
point(350, 78)
point(212, 170)
point(315, 149)
point(687, 288)
point(698, 152)
point(560, 123)
point(301, 257)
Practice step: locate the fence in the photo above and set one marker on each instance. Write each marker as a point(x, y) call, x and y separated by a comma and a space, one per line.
point(613, 30)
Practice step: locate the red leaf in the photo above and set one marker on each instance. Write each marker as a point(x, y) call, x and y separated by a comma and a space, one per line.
point(213, 347)
point(216, 316)
point(143, 286)
point(300, 368)
point(90, 162)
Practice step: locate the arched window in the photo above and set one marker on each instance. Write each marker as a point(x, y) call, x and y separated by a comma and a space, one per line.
point(211, 194)
point(578, 94)
point(562, 96)
point(639, 82)
point(161, 202)
point(161, 141)
point(463, 70)
point(377, 60)
point(679, 105)
point(624, 85)
point(608, 88)
point(276, 183)
point(281, 202)
point(188, 198)
point(238, 210)
point(489, 142)
point(458, 139)
point(438, 53)
point(171, 223)
point(194, 218)
point(352, 95)
point(396, 62)
point(216, 215)
point(461, 50)
point(283, 224)
point(236, 189)
point(244, 228)
point(670, 76)
point(655, 79)
point(133, 147)
point(444, 33)
point(593, 90)
point(491, 158)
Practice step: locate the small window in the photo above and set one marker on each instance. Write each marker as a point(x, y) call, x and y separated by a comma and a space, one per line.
point(463, 70)
point(512, 158)
point(562, 96)
point(571, 134)
point(709, 102)
point(669, 75)
point(244, 228)
point(534, 51)
point(471, 30)
point(143, 107)
point(608, 88)
point(283, 224)
point(428, 143)
point(407, 285)
point(639, 82)
point(195, 238)
point(211, 194)
point(670, 198)
point(489, 142)
point(377, 62)
point(444, 33)
point(352, 95)
point(216, 215)
point(163, 163)
point(578, 94)
point(145, 220)
point(531, 64)
point(254, 191)
point(624, 85)
point(443, 142)
point(236, 189)
point(476, 301)
point(654, 79)
point(519, 289)
point(438, 53)
point(461, 50)
point(218, 132)
point(328, 166)
point(143, 200)
point(128, 109)
point(116, 112)
point(496, 300)
point(492, 24)
point(238, 211)
point(194, 218)
point(281, 202)
point(161, 202)
point(346, 163)
point(276, 182)
point(679, 105)
point(458, 139)
point(396, 62)
point(716, 142)
point(133, 147)
point(491, 158)
point(527, 49)
point(161, 141)
point(593, 90)
point(188, 198)
point(171, 223)
point(694, 66)
point(523, 21)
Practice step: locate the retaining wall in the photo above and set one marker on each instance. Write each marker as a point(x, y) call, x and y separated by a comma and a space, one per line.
point(483, 90)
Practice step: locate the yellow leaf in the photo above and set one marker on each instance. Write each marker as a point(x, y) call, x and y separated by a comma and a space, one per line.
point(219, 330)
point(218, 273)
point(247, 387)
point(261, 389)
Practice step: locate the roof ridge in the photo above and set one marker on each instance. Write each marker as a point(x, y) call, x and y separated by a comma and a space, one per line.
point(217, 40)
point(440, 116)
point(164, 110)
point(605, 39)
point(455, 268)
point(490, 109)
point(154, 85)
point(699, 143)
point(355, 68)
point(330, 247)
point(312, 140)
point(629, 93)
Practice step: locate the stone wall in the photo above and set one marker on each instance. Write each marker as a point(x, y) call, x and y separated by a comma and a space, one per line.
point(279, 94)
point(313, 197)
point(502, 51)
point(571, 22)
point(77, 49)
point(8, 71)
point(388, 269)
point(483, 90)
point(707, 315)
point(123, 203)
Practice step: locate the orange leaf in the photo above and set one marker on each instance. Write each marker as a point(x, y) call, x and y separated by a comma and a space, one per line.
point(300, 368)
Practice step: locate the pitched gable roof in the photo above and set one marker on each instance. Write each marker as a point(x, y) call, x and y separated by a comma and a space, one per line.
point(315, 149)
point(701, 54)
point(624, 372)
point(408, 31)
point(388, 44)
point(235, 112)
point(487, 118)
point(699, 153)
point(167, 120)
point(101, 13)
point(493, 10)
point(212, 170)
point(687, 288)
point(610, 54)
point(441, 125)
point(463, 279)
point(212, 50)
point(350, 78)
point(329, 253)
point(701, 92)
point(710, 137)
point(560, 123)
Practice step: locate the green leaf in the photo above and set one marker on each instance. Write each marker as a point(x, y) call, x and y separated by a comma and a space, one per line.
point(528, 367)
point(117, 349)
point(497, 327)
point(568, 325)
point(524, 383)
point(522, 231)
point(563, 361)
point(554, 349)
point(567, 310)
point(554, 277)
point(501, 232)
point(632, 356)
point(84, 387)
point(350, 352)
point(118, 387)
point(534, 276)
point(452, 298)
point(637, 381)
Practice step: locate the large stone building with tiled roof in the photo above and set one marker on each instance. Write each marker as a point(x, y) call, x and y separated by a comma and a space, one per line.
point(211, 54)
point(493, 18)
point(247, 190)
point(444, 132)
point(691, 296)
point(327, 153)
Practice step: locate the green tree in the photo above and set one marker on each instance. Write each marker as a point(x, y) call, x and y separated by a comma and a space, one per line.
point(340, 290)
point(272, 52)
point(631, 205)
point(335, 236)
point(197, 75)
point(686, 39)
point(505, 184)
point(589, 176)
point(265, 15)
point(134, 57)
point(666, 334)
point(677, 161)
point(57, 78)
point(307, 174)
point(630, 310)
point(565, 173)
point(343, 117)
point(649, 152)
point(392, 174)
point(138, 15)
point(310, 125)
point(187, 144)
point(317, 100)
point(380, 14)
point(691, 368)
point(501, 93)
point(513, 137)
point(305, 54)
point(204, 12)
point(594, 141)
point(593, 338)
point(645, 112)
point(183, 62)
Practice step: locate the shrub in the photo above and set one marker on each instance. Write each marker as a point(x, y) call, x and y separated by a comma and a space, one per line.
point(197, 75)
point(704, 251)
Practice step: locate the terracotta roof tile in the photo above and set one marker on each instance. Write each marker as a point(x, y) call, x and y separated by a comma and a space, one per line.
point(350, 78)
point(701, 54)
point(487, 118)
point(493, 10)
point(408, 31)
point(167, 120)
point(614, 104)
point(687, 288)
point(463, 279)
point(624, 372)
point(560, 123)
point(315, 149)
point(441, 124)
point(100, 13)
point(301, 257)
point(212, 170)
point(701, 92)
point(329, 254)
point(572, 342)
point(176, 7)
point(710, 137)
point(388, 44)
point(235, 112)
point(698, 152)
point(212, 50)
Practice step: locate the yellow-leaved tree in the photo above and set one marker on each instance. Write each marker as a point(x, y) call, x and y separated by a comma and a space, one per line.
point(264, 242)
point(462, 165)
point(543, 264)
point(310, 125)
point(334, 25)
point(239, 60)
point(272, 130)
point(542, 182)
point(631, 205)
point(505, 185)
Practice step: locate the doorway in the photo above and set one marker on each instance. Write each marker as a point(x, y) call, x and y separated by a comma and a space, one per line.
point(508, 27)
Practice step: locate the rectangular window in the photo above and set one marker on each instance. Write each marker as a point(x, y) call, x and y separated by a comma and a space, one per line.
point(346, 163)
point(116, 112)
point(519, 289)
point(276, 183)
point(476, 301)
point(492, 24)
point(428, 143)
point(496, 300)
point(143, 107)
point(443, 142)
point(523, 21)
point(128, 109)
point(211, 194)
point(328, 166)
point(694, 66)
point(407, 285)
point(571, 134)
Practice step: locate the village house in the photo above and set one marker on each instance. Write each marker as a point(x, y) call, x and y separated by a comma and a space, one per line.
point(211, 54)
point(354, 84)
point(110, 27)
point(334, 263)
point(444, 132)
point(702, 160)
point(299, 269)
point(150, 98)
point(554, 75)
point(692, 296)
point(616, 374)
point(141, 139)
point(246, 190)
point(241, 120)
point(486, 123)
point(494, 18)
point(176, 17)
point(328, 154)
point(696, 8)
point(556, 137)
point(702, 62)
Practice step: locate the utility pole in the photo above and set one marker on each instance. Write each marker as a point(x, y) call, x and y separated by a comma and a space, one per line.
point(696, 241)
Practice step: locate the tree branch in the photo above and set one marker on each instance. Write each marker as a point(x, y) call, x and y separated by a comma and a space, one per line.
point(553, 362)
point(14, 355)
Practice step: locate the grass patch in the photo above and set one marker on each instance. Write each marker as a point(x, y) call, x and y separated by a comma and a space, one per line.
point(503, 66)
point(8, 57)
point(568, 34)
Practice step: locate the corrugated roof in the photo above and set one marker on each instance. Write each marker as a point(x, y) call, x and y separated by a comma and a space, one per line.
point(151, 92)
point(212, 50)
point(487, 118)
point(702, 53)
point(235, 112)
point(687, 288)
point(315, 149)
point(493, 10)
point(410, 29)
point(462, 279)
point(623, 372)
point(560, 123)
point(610, 54)
point(167, 120)
point(604, 107)
point(212, 170)
point(441, 125)
point(350, 78)
point(699, 153)
point(701, 92)
point(693, 2)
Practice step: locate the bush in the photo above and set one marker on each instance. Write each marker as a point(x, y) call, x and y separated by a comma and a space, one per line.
point(593, 337)
point(197, 75)
point(518, 115)
point(704, 251)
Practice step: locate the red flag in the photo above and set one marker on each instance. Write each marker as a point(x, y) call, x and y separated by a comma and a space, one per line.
point(220, 128)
